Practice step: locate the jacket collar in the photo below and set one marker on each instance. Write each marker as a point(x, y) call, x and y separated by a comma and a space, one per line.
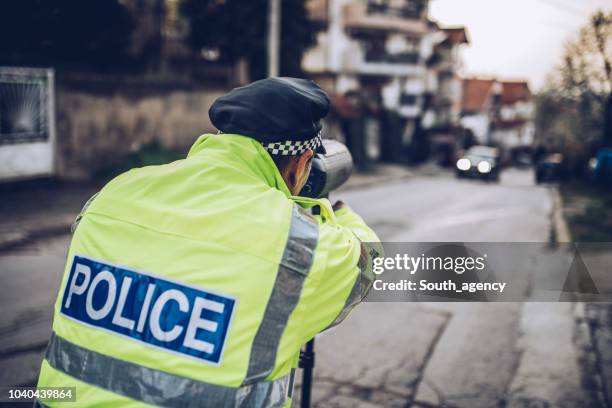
point(243, 152)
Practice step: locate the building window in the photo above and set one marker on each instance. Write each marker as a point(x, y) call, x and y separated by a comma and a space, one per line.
point(375, 51)
point(23, 115)
point(408, 99)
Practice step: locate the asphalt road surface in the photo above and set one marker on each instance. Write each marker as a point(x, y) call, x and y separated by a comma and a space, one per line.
point(386, 354)
point(454, 354)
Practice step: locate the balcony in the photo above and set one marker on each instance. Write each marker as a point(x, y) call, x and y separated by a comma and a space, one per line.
point(376, 55)
point(412, 9)
point(368, 16)
point(376, 61)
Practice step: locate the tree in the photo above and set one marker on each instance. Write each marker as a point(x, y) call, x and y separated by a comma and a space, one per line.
point(574, 110)
point(586, 74)
point(64, 32)
point(238, 29)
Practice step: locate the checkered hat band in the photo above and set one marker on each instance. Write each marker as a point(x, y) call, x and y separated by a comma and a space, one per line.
point(292, 147)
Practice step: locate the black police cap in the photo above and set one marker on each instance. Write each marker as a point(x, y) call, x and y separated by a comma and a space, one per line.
point(272, 110)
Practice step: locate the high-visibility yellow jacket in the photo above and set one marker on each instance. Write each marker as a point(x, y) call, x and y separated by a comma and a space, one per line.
point(196, 283)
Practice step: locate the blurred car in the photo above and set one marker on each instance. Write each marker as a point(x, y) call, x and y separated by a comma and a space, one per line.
point(549, 168)
point(522, 161)
point(600, 167)
point(479, 162)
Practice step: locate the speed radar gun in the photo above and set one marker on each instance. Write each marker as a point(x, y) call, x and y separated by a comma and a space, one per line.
point(329, 171)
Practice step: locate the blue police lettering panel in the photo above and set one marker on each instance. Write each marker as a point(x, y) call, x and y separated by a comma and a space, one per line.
point(147, 308)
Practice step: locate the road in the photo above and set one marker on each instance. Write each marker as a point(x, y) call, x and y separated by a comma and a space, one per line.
point(453, 354)
point(387, 354)
point(30, 280)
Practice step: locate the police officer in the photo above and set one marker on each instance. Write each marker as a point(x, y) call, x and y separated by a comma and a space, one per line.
point(196, 283)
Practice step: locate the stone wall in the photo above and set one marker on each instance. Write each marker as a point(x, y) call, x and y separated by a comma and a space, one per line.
point(97, 127)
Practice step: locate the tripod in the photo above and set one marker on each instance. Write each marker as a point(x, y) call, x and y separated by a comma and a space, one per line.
point(307, 359)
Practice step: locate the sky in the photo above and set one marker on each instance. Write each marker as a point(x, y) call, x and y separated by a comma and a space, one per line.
point(515, 39)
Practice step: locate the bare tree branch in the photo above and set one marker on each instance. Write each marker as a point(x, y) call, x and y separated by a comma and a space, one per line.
point(601, 23)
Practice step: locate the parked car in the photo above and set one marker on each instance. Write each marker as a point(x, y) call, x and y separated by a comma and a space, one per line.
point(549, 168)
point(600, 167)
point(522, 161)
point(479, 162)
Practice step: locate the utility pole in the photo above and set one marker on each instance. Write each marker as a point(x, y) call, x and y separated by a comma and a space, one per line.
point(274, 19)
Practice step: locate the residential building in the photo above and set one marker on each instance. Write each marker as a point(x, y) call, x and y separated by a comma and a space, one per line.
point(498, 112)
point(370, 52)
point(443, 98)
point(514, 127)
point(390, 60)
point(480, 104)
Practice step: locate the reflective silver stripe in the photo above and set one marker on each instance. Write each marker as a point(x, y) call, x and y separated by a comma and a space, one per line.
point(292, 270)
point(291, 383)
point(363, 282)
point(157, 387)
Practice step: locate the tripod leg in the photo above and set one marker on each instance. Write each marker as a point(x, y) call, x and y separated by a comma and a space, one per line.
point(307, 363)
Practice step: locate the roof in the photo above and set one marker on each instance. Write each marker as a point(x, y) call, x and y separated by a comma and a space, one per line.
point(476, 93)
point(515, 91)
point(456, 35)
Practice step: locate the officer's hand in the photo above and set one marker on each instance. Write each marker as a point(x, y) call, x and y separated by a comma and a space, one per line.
point(338, 205)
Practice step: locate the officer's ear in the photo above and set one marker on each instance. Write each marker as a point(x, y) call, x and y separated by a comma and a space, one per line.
point(302, 170)
point(294, 169)
point(305, 159)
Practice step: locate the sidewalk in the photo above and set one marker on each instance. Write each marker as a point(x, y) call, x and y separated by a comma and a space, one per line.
point(376, 175)
point(39, 209)
point(36, 210)
point(593, 334)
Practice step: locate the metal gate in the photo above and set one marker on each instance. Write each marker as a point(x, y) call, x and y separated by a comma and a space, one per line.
point(27, 123)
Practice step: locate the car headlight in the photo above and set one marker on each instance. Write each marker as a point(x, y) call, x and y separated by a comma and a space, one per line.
point(484, 167)
point(464, 164)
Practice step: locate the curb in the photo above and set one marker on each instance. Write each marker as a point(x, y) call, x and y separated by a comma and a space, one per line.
point(17, 239)
point(559, 230)
point(589, 357)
